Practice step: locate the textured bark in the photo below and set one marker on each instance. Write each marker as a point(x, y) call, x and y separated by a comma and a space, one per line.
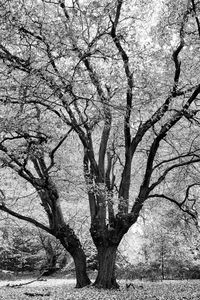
point(106, 272)
point(72, 244)
point(79, 258)
point(63, 232)
point(107, 240)
point(82, 278)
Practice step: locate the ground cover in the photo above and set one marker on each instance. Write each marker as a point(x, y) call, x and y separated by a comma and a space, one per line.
point(61, 289)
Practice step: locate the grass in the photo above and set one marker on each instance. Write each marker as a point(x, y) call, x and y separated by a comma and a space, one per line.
point(60, 289)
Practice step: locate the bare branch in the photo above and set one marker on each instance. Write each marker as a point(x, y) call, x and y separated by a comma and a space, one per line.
point(63, 6)
point(188, 191)
point(176, 53)
point(52, 153)
point(189, 154)
point(193, 214)
point(175, 166)
point(129, 76)
point(88, 174)
point(25, 218)
point(196, 17)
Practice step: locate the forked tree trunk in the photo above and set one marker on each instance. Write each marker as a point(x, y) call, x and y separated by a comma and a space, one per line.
point(106, 278)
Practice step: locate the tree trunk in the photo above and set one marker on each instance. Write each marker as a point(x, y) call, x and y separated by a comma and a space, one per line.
point(82, 278)
point(63, 232)
point(72, 244)
point(106, 271)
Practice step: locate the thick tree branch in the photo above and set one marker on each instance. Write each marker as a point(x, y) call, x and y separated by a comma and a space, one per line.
point(88, 174)
point(129, 76)
point(125, 181)
point(107, 118)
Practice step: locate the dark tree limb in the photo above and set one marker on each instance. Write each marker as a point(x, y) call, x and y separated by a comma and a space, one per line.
point(25, 218)
point(52, 153)
point(191, 213)
point(196, 16)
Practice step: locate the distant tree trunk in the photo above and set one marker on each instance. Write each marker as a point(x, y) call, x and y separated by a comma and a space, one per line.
point(50, 267)
point(162, 262)
point(106, 272)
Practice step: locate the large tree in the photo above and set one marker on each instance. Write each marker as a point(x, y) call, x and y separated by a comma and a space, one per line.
point(123, 78)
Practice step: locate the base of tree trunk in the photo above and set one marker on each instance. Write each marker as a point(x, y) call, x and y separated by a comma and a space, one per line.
point(82, 282)
point(100, 284)
point(82, 278)
point(106, 272)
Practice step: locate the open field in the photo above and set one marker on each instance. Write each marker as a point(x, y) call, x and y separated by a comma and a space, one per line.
point(63, 289)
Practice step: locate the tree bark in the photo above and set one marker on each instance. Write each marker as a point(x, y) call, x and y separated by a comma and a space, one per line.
point(82, 278)
point(106, 278)
point(72, 244)
point(79, 258)
point(63, 232)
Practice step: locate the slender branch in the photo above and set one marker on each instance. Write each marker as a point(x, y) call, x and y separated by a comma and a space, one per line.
point(196, 17)
point(191, 154)
point(185, 210)
point(176, 53)
point(16, 165)
point(26, 31)
point(188, 191)
point(62, 5)
point(20, 63)
point(52, 153)
point(163, 176)
point(25, 218)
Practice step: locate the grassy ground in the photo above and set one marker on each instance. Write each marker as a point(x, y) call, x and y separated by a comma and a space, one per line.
point(60, 289)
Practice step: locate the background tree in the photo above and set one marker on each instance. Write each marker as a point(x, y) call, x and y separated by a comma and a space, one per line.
point(130, 97)
point(25, 249)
